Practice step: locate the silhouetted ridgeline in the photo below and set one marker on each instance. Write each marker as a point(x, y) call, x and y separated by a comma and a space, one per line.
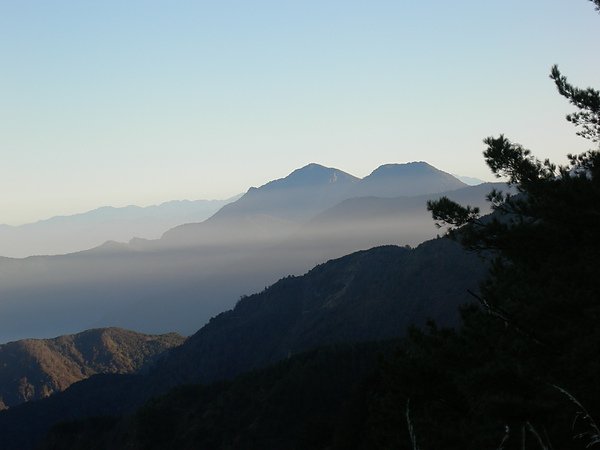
point(310, 401)
point(369, 295)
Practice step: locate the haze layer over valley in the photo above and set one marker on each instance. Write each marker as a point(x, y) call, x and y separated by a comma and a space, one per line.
point(195, 271)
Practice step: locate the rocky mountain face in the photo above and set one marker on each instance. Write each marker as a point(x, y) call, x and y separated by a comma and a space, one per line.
point(32, 369)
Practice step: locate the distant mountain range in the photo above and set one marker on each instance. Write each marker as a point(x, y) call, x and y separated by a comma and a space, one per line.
point(67, 234)
point(265, 210)
point(196, 271)
point(471, 181)
point(370, 295)
point(32, 369)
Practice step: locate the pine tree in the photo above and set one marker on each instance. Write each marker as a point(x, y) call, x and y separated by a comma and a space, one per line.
point(523, 369)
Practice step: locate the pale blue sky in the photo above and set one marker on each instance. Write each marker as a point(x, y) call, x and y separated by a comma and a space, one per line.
point(139, 102)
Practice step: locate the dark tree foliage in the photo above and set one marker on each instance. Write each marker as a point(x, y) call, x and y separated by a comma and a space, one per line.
point(523, 369)
point(296, 404)
point(586, 100)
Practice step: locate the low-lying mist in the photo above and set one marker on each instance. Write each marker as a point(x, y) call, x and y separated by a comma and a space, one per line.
point(164, 285)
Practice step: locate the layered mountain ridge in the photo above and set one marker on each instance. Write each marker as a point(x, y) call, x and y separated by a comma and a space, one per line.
point(198, 270)
point(279, 207)
point(72, 233)
point(370, 295)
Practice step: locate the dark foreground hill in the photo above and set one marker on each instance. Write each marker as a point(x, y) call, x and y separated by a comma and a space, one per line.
point(32, 369)
point(306, 402)
point(369, 295)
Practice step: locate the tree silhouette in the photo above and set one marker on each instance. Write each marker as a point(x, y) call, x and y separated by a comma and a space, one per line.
point(534, 339)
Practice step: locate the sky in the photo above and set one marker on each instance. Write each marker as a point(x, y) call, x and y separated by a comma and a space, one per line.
point(141, 102)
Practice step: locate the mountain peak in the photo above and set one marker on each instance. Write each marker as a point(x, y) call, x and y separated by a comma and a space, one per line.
point(405, 169)
point(296, 197)
point(413, 178)
point(312, 174)
point(313, 166)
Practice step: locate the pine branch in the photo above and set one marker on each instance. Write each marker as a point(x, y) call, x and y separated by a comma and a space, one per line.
point(505, 317)
point(411, 430)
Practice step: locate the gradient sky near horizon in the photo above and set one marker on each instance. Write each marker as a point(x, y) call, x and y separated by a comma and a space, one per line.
point(140, 102)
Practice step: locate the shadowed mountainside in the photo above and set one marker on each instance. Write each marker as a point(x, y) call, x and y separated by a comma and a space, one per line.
point(306, 402)
point(32, 369)
point(374, 294)
point(369, 295)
